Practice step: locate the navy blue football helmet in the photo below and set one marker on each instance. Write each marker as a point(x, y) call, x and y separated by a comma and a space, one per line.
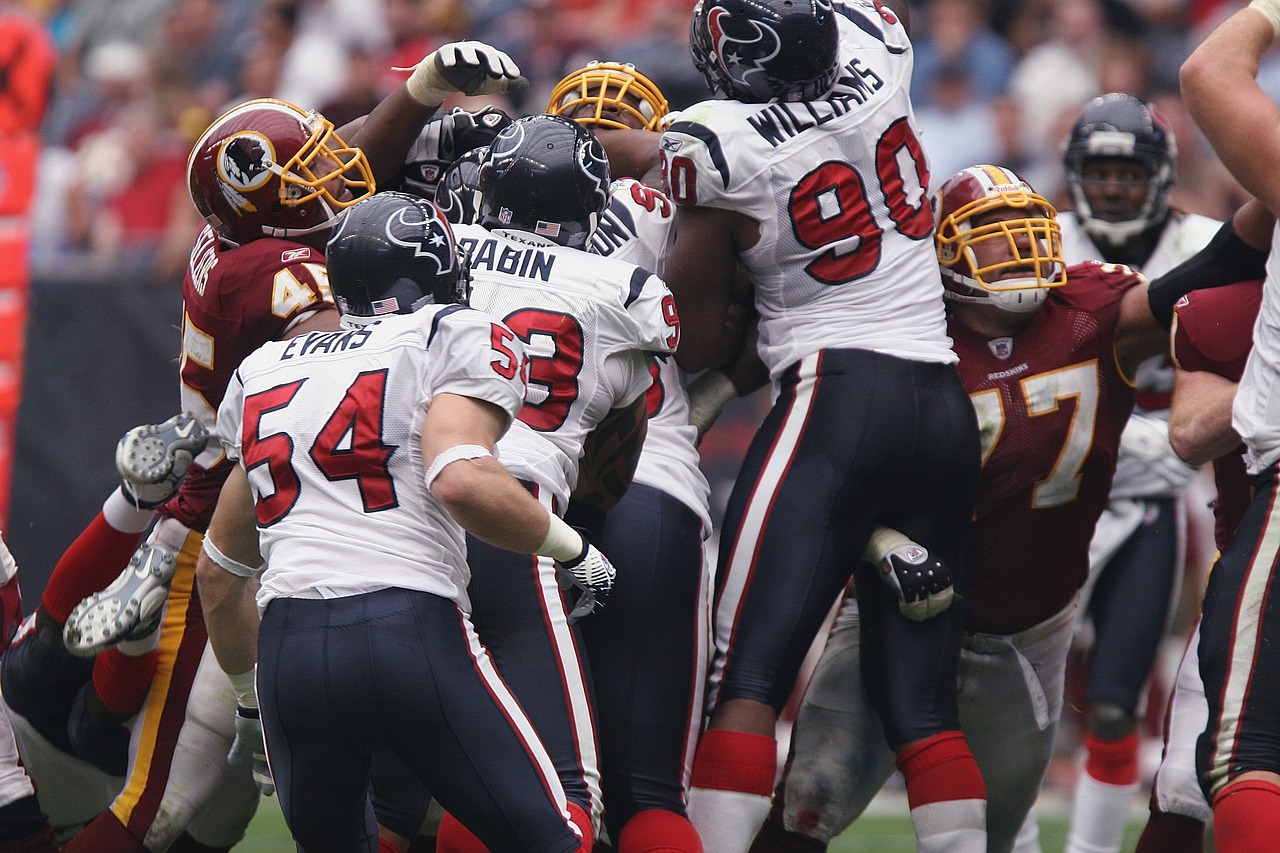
point(393, 253)
point(758, 51)
point(1118, 126)
point(458, 192)
point(548, 176)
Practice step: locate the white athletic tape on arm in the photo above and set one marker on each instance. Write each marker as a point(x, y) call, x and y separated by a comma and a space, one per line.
point(235, 567)
point(1270, 8)
point(562, 542)
point(453, 454)
point(243, 683)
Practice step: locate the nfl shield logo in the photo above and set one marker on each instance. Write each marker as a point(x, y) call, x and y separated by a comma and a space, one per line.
point(1001, 348)
point(504, 215)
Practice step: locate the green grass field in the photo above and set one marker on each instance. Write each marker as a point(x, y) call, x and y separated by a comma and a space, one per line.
point(879, 832)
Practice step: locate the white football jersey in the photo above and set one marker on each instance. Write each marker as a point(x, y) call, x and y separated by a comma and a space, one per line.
point(1256, 413)
point(329, 427)
point(589, 326)
point(845, 257)
point(637, 228)
point(1183, 236)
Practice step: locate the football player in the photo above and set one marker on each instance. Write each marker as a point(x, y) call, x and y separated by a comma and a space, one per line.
point(269, 178)
point(1211, 340)
point(1119, 168)
point(810, 175)
point(1047, 354)
point(365, 545)
point(1237, 757)
point(591, 326)
point(648, 648)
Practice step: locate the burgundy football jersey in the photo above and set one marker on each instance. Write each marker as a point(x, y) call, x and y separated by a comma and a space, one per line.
point(234, 301)
point(1051, 403)
point(1213, 331)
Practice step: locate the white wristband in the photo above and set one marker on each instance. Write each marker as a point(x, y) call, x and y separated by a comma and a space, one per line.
point(1270, 8)
point(235, 567)
point(245, 686)
point(562, 542)
point(453, 454)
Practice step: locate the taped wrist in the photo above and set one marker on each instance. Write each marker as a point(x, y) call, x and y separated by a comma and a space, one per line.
point(244, 685)
point(224, 562)
point(1225, 260)
point(453, 454)
point(562, 544)
point(1270, 8)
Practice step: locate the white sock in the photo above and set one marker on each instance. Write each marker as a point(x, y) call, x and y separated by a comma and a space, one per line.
point(1028, 840)
point(124, 516)
point(951, 826)
point(727, 820)
point(1099, 812)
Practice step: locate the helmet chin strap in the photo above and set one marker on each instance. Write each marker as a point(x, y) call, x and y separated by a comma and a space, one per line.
point(1020, 300)
point(286, 233)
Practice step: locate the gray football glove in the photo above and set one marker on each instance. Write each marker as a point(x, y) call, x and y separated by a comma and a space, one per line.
point(249, 746)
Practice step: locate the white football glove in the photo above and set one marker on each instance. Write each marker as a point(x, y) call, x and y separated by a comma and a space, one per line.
point(1146, 439)
point(923, 583)
point(469, 67)
point(590, 572)
point(249, 746)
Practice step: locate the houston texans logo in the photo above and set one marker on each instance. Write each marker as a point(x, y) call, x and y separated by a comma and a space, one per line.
point(425, 243)
point(732, 53)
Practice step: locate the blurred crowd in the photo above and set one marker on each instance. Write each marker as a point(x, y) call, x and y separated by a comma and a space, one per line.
point(996, 81)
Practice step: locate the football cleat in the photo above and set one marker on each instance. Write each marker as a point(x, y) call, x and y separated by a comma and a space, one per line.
point(130, 608)
point(153, 458)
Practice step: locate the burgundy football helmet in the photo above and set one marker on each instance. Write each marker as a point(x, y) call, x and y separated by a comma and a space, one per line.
point(267, 168)
point(1030, 245)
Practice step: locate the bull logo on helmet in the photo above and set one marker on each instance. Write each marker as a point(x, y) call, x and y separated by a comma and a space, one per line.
point(741, 58)
point(424, 245)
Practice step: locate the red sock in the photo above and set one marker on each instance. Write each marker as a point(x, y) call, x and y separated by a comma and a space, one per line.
point(736, 761)
point(580, 819)
point(1112, 761)
point(91, 562)
point(386, 845)
point(658, 831)
point(939, 769)
point(1171, 833)
point(122, 681)
point(1246, 817)
point(453, 837)
point(104, 832)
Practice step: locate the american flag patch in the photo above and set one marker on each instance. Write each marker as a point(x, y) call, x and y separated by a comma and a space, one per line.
point(390, 305)
point(547, 229)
